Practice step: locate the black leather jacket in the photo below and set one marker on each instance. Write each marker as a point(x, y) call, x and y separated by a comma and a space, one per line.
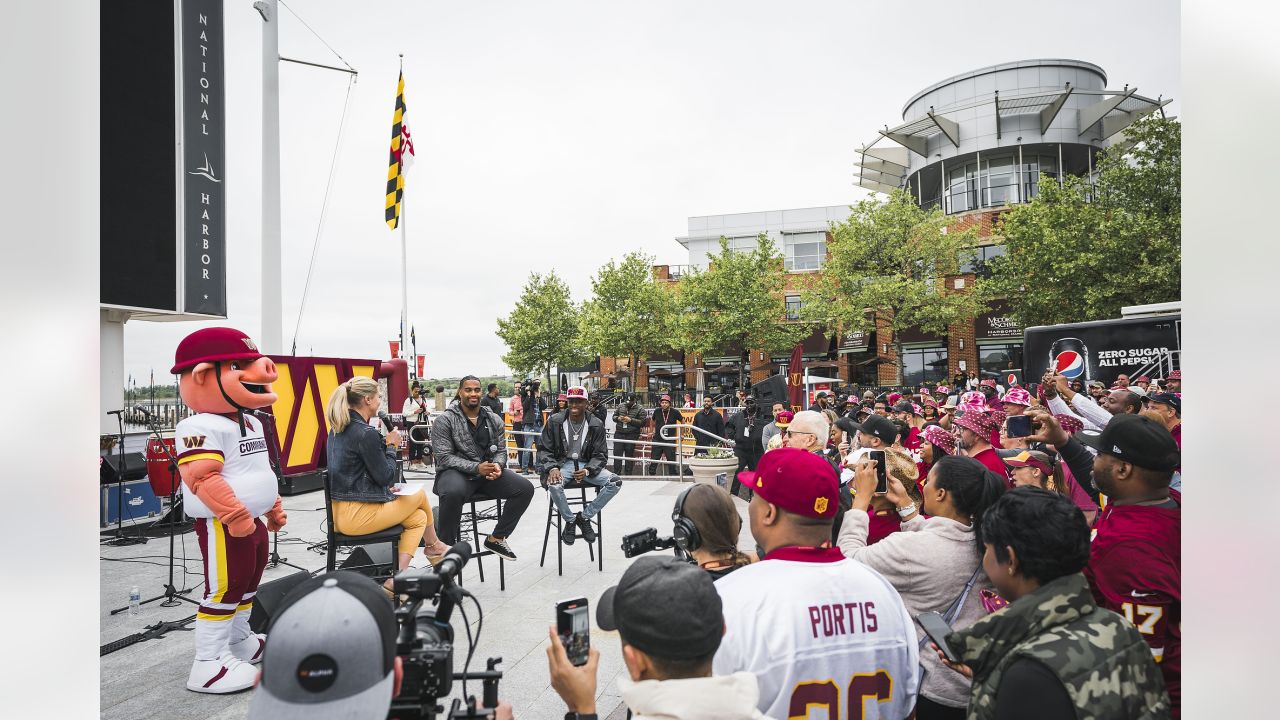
point(361, 466)
point(453, 446)
point(553, 453)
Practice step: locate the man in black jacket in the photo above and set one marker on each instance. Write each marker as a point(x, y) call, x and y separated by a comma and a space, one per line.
point(470, 446)
point(627, 421)
point(572, 450)
point(663, 416)
point(745, 429)
point(491, 399)
point(709, 419)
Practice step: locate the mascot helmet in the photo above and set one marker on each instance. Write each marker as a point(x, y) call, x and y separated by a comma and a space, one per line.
point(212, 345)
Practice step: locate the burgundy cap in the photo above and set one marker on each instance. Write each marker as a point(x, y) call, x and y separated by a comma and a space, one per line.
point(797, 481)
point(783, 418)
point(211, 345)
point(665, 397)
point(1175, 375)
point(894, 397)
point(562, 396)
point(989, 382)
point(1143, 378)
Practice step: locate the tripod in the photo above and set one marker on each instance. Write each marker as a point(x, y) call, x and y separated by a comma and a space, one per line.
point(121, 538)
point(268, 421)
point(171, 595)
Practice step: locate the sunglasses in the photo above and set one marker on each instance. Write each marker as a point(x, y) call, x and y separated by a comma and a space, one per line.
point(787, 433)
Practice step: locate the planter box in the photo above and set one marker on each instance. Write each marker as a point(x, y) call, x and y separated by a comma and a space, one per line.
point(705, 469)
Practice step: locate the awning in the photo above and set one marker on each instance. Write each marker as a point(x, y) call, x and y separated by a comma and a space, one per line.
point(823, 364)
point(727, 367)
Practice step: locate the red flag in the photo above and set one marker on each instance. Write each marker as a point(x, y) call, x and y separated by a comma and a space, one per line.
point(395, 349)
point(795, 377)
point(422, 365)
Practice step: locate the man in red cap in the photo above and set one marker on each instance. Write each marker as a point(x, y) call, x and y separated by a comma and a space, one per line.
point(1173, 383)
point(228, 487)
point(663, 416)
point(816, 628)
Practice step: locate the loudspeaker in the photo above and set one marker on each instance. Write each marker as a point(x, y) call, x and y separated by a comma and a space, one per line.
point(135, 467)
point(269, 598)
point(374, 561)
point(770, 391)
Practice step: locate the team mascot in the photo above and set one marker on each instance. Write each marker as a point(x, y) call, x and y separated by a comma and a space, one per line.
point(227, 486)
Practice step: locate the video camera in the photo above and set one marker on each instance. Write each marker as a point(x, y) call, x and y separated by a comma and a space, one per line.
point(647, 540)
point(425, 642)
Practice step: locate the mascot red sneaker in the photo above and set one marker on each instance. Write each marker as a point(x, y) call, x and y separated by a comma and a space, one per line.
point(228, 487)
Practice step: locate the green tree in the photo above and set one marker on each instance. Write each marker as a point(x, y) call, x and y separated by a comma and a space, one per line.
point(1082, 251)
point(889, 260)
point(739, 299)
point(542, 329)
point(629, 313)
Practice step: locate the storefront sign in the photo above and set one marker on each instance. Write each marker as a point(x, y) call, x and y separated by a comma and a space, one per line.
point(855, 341)
point(998, 326)
point(203, 153)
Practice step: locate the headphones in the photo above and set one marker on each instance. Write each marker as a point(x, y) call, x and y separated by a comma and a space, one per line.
point(684, 531)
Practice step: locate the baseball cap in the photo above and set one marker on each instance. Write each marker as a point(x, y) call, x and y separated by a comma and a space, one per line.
point(1031, 458)
point(1168, 398)
point(903, 406)
point(989, 382)
point(213, 344)
point(665, 607)
point(1175, 375)
point(1136, 439)
point(820, 393)
point(331, 652)
point(665, 397)
point(1135, 390)
point(797, 481)
point(576, 392)
point(783, 418)
point(880, 427)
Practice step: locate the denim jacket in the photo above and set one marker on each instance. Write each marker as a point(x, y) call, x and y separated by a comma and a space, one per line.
point(361, 466)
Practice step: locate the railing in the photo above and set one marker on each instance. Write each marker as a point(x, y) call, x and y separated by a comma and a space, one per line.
point(1161, 366)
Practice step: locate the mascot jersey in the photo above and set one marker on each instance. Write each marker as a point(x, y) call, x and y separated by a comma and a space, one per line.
point(245, 464)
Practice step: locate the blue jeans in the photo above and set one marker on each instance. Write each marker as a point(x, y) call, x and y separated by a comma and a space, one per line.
point(525, 442)
point(608, 483)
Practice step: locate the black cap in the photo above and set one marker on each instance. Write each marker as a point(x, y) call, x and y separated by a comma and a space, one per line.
point(1136, 439)
point(1167, 398)
point(664, 607)
point(881, 427)
point(903, 406)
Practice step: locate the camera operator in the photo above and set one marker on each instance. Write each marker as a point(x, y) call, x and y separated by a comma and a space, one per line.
point(530, 421)
point(573, 444)
point(415, 414)
point(470, 446)
point(627, 421)
point(669, 618)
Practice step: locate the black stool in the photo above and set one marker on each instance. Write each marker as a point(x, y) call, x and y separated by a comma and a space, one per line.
point(469, 523)
point(575, 504)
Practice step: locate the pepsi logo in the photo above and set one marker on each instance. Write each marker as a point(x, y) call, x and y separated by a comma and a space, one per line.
point(1069, 364)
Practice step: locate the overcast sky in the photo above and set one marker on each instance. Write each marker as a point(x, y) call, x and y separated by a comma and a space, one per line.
point(557, 135)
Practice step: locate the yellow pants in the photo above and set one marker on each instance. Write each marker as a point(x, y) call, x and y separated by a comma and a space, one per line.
point(361, 518)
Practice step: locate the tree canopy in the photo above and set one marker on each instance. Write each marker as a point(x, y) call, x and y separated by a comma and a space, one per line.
point(542, 329)
point(889, 259)
point(739, 299)
point(1083, 251)
point(629, 313)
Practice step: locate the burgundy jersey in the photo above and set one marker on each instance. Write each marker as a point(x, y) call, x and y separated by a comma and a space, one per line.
point(1135, 569)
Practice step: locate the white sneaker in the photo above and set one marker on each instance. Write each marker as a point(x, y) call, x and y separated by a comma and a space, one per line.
point(250, 648)
point(227, 674)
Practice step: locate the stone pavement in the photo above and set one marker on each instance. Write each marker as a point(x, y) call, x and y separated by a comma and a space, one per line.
point(148, 679)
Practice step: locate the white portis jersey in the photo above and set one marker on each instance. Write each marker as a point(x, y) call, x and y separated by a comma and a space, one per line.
point(245, 463)
point(827, 637)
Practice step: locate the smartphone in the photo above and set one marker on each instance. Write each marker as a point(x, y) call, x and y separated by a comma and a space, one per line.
point(937, 629)
point(882, 472)
point(573, 625)
point(1018, 425)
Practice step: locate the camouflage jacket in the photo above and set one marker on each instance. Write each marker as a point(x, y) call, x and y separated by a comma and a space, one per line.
point(1100, 658)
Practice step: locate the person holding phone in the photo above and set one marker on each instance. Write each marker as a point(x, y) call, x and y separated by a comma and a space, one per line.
point(362, 468)
point(1053, 653)
point(973, 430)
point(671, 623)
point(934, 564)
point(877, 434)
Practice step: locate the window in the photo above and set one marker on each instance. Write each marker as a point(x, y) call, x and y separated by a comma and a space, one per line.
point(743, 243)
point(1032, 166)
point(1000, 182)
point(805, 251)
point(984, 255)
point(920, 365)
point(793, 307)
point(1000, 359)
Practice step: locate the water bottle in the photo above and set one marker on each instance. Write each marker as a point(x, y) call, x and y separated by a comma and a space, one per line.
point(135, 601)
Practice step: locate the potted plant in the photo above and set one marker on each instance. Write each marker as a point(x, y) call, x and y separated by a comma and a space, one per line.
point(719, 459)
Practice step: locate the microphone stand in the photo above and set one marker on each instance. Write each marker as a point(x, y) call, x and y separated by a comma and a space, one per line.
point(171, 595)
point(268, 420)
point(121, 538)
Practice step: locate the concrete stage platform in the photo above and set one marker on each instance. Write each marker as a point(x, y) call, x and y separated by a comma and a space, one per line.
point(148, 679)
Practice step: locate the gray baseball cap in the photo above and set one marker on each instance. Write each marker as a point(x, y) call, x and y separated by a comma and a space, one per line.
point(330, 652)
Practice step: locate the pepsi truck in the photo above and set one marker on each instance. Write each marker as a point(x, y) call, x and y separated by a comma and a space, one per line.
point(1146, 340)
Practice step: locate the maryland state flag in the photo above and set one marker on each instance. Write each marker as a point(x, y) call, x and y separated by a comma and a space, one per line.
point(401, 157)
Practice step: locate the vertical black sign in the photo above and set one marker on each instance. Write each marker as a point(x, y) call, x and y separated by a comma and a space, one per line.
point(204, 157)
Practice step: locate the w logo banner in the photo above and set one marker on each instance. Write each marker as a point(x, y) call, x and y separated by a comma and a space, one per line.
point(193, 441)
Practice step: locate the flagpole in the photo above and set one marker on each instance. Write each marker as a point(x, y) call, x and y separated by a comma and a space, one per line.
point(404, 255)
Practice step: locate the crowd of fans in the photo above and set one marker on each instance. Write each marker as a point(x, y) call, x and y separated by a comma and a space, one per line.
point(1041, 523)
